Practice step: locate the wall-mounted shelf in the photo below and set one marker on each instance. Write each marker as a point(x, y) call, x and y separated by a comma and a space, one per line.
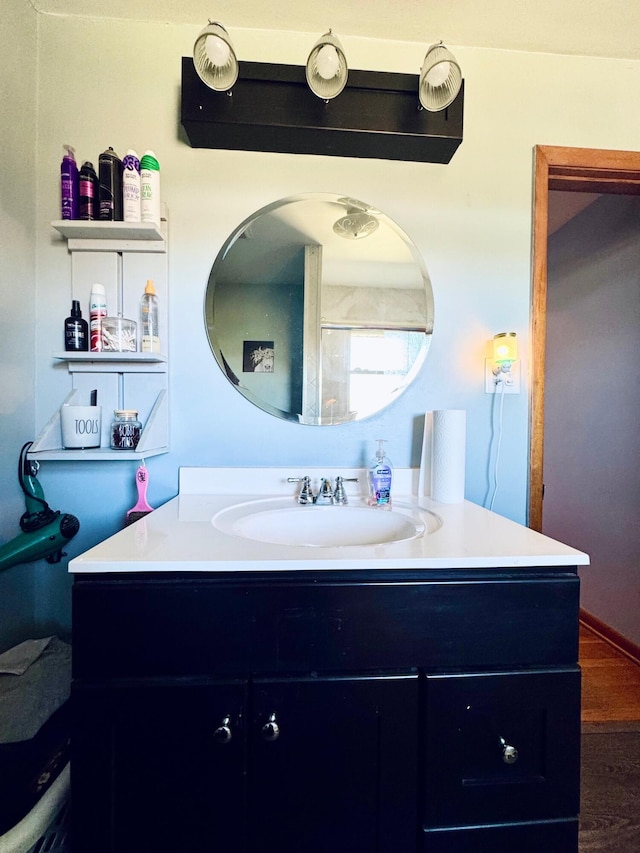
point(152, 440)
point(95, 361)
point(94, 236)
point(122, 256)
point(377, 115)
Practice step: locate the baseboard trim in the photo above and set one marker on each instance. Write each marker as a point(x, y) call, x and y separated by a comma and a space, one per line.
point(610, 635)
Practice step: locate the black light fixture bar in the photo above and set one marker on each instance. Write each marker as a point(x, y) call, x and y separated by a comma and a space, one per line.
point(271, 108)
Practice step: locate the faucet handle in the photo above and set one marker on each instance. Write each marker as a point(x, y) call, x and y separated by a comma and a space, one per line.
point(305, 495)
point(339, 494)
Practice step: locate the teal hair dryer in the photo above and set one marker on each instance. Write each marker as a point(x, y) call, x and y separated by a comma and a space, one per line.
point(44, 531)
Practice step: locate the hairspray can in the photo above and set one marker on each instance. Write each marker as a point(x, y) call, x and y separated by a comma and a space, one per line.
point(150, 188)
point(89, 192)
point(110, 176)
point(69, 184)
point(131, 187)
point(97, 313)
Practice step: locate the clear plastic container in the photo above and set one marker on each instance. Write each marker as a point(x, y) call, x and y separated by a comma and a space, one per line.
point(119, 335)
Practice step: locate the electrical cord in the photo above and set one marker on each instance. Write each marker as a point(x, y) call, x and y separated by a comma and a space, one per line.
point(499, 442)
point(31, 521)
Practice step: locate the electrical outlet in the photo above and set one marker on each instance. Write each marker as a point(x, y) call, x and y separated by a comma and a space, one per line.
point(511, 380)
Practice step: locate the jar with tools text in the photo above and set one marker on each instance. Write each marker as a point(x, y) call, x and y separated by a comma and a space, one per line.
point(125, 430)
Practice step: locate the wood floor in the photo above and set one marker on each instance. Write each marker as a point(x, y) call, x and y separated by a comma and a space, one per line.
point(610, 682)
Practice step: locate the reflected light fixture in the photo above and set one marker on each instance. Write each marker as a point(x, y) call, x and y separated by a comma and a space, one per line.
point(358, 222)
point(327, 69)
point(440, 79)
point(215, 59)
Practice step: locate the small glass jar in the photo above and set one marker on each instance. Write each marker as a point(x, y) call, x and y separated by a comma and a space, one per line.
point(125, 430)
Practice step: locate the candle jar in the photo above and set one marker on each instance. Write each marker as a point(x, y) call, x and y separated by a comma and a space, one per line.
point(125, 430)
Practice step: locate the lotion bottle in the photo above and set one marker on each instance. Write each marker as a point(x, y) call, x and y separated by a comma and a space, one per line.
point(380, 478)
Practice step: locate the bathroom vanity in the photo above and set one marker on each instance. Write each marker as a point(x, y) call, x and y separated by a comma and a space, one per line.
point(245, 696)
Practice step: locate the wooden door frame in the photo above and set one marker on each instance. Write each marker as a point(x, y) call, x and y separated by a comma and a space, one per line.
point(573, 170)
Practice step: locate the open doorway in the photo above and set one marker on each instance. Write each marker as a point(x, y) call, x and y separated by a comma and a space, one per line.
point(611, 583)
point(580, 170)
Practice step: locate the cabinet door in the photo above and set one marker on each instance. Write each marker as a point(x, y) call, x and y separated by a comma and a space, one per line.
point(159, 767)
point(334, 765)
point(502, 747)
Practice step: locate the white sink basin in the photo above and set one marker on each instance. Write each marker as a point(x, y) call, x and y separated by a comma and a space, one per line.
point(280, 521)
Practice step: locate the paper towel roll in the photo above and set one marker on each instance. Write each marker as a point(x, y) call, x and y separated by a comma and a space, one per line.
point(424, 477)
point(448, 455)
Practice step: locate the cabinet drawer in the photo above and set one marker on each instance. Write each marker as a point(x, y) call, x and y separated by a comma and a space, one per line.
point(549, 837)
point(473, 724)
point(300, 626)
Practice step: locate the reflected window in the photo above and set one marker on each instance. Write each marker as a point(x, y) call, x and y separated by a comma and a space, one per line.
point(362, 366)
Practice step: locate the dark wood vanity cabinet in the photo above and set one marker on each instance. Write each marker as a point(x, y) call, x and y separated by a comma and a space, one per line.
point(383, 712)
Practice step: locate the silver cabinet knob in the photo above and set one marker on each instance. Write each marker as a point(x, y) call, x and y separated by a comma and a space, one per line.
point(223, 733)
point(509, 753)
point(271, 729)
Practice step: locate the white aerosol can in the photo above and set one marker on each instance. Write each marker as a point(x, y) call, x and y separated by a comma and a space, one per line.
point(131, 187)
point(150, 188)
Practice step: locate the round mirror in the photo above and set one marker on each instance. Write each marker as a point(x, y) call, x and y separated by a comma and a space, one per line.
point(319, 309)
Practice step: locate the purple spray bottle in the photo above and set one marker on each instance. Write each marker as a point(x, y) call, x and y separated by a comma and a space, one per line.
point(69, 184)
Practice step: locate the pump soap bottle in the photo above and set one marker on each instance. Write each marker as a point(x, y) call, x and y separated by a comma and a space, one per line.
point(380, 478)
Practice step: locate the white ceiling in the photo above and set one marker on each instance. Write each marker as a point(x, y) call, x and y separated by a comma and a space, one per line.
point(606, 28)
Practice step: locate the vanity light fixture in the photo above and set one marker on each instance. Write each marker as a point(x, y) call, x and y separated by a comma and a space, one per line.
point(440, 79)
point(326, 68)
point(215, 59)
point(322, 107)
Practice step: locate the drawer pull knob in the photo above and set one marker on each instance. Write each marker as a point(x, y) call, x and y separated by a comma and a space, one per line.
point(509, 753)
point(271, 729)
point(223, 733)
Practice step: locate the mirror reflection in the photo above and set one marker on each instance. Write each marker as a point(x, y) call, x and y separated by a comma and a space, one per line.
point(319, 309)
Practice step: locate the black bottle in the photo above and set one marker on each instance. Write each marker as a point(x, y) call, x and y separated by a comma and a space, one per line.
point(76, 330)
point(89, 192)
point(110, 185)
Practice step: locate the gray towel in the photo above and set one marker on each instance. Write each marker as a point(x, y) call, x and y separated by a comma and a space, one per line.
point(16, 661)
point(27, 700)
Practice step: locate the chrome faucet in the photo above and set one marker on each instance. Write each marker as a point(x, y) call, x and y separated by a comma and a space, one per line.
point(326, 495)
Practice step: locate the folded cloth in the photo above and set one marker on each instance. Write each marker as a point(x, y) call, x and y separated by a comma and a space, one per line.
point(16, 661)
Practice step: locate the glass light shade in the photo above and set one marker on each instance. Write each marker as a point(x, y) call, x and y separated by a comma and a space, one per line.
point(505, 348)
point(355, 226)
point(440, 79)
point(215, 59)
point(327, 69)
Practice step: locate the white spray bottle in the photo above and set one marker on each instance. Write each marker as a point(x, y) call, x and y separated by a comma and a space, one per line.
point(380, 478)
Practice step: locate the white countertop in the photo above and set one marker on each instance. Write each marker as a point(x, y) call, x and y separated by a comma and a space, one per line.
point(180, 536)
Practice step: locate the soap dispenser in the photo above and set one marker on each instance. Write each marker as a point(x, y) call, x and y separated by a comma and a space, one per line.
point(380, 478)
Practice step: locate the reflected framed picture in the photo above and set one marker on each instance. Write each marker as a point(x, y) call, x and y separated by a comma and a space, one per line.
point(258, 357)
